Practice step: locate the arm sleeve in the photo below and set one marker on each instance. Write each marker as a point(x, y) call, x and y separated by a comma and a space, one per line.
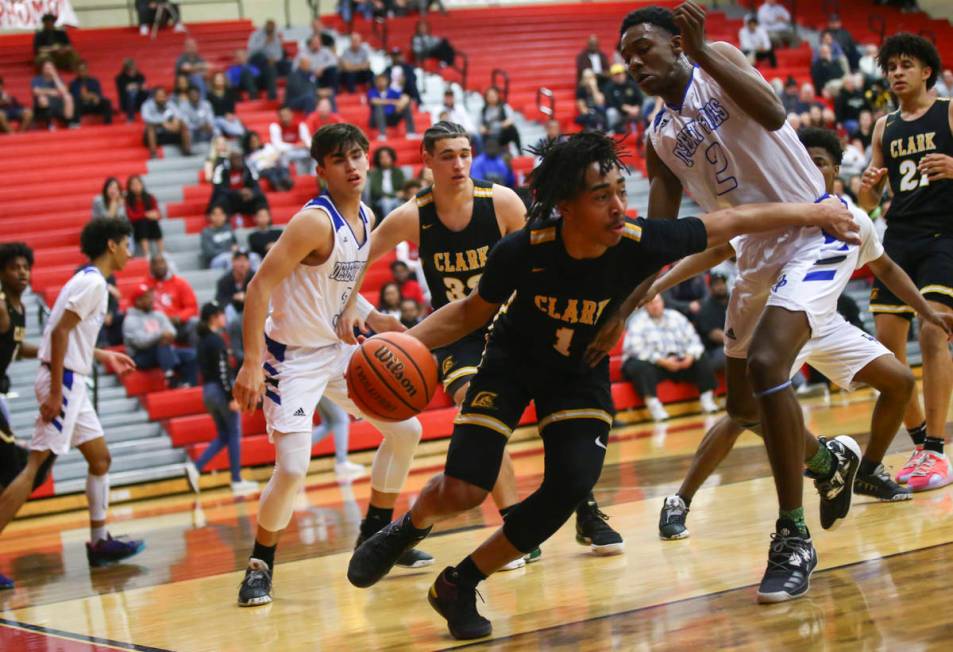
point(504, 267)
point(870, 246)
point(86, 295)
point(666, 241)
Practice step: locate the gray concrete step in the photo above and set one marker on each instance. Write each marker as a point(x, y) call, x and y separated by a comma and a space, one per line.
point(129, 462)
point(26, 401)
point(125, 478)
point(122, 448)
point(22, 423)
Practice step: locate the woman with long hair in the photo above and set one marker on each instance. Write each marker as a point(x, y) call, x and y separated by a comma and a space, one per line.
point(222, 98)
point(110, 202)
point(389, 302)
point(496, 120)
point(142, 209)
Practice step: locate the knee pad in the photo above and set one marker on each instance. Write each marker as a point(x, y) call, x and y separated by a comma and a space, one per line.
point(395, 454)
point(292, 456)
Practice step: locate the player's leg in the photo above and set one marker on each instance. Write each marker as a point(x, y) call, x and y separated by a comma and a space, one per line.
point(934, 469)
point(17, 492)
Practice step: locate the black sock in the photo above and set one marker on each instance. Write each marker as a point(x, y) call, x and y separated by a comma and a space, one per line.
point(867, 467)
point(377, 518)
point(466, 574)
point(687, 501)
point(506, 510)
point(934, 444)
point(265, 553)
point(918, 434)
point(406, 523)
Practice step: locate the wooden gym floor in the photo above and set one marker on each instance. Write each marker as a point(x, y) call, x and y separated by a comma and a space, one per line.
point(882, 580)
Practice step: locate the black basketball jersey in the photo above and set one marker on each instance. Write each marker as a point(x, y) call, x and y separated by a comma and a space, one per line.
point(919, 205)
point(11, 340)
point(453, 261)
point(560, 301)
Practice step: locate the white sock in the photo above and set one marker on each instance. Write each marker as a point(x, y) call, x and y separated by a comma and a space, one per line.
point(652, 401)
point(97, 496)
point(707, 397)
point(97, 533)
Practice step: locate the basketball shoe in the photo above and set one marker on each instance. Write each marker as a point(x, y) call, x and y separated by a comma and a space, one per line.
point(593, 530)
point(110, 551)
point(932, 472)
point(520, 562)
point(457, 604)
point(5, 582)
point(256, 585)
point(903, 476)
point(671, 524)
point(791, 560)
point(375, 556)
point(879, 485)
point(835, 488)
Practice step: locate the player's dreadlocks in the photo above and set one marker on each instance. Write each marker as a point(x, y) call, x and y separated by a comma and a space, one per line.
point(561, 173)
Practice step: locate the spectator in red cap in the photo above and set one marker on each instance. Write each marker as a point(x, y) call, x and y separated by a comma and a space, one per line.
point(174, 297)
point(149, 335)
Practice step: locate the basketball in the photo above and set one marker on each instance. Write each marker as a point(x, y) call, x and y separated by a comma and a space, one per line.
point(391, 377)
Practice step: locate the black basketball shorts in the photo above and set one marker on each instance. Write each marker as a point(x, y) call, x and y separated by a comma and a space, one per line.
point(928, 260)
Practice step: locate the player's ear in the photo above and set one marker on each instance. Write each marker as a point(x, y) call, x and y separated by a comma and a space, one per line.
point(836, 170)
point(676, 44)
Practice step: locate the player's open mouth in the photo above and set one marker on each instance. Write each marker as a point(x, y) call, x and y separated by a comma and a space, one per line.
point(640, 78)
point(354, 178)
point(459, 177)
point(618, 227)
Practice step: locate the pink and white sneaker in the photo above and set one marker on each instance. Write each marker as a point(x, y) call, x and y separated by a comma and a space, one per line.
point(932, 472)
point(903, 476)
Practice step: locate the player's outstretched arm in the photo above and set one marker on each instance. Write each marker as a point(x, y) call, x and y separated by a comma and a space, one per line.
point(454, 320)
point(688, 268)
point(898, 282)
point(831, 215)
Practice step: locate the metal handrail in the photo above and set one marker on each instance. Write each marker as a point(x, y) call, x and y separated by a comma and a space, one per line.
point(541, 93)
point(499, 73)
point(381, 31)
point(877, 25)
point(464, 70)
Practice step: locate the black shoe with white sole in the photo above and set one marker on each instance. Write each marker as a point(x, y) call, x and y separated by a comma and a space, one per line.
point(791, 560)
point(593, 530)
point(256, 585)
point(836, 489)
point(671, 524)
point(881, 486)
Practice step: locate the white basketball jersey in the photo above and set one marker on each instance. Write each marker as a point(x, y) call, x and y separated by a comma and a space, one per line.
point(86, 295)
point(724, 158)
point(305, 306)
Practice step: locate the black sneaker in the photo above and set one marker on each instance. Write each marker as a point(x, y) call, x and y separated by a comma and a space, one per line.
point(671, 523)
point(411, 558)
point(791, 560)
point(458, 606)
point(111, 551)
point(881, 486)
point(835, 489)
point(374, 557)
point(592, 530)
point(256, 586)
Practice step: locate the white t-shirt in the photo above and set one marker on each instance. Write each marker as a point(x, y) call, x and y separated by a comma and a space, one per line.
point(85, 294)
point(774, 17)
point(754, 41)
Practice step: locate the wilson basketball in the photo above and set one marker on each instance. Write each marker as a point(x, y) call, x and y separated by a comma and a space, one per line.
point(391, 376)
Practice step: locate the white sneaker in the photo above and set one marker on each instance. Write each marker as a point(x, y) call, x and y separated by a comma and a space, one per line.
point(656, 409)
point(516, 564)
point(191, 475)
point(707, 400)
point(348, 470)
point(143, 30)
point(179, 27)
point(244, 487)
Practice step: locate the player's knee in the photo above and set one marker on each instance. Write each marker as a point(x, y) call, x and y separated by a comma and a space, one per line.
point(933, 338)
point(405, 435)
point(741, 410)
point(101, 464)
point(899, 383)
point(766, 368)
point(460, 495)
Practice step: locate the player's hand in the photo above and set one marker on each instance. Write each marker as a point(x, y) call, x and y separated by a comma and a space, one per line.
point(249, 386)
point(832, 216)
point(51, 407)
point(936, 166)
point(381, 323)
point(942, 320)
point(690, 19)
point(609, 333)
point(118, 362)
point(872, 178)
point(348, 320)
point(233, 406)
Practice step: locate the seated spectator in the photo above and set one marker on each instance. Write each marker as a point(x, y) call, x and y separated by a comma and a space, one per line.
point(825, 69)
point(868, 65)
point(131, 89)
point(427, 46)
point(180, 90)
point(791, 97)
point(662, 344)
point(808, 99)
point(236, 188)
point(843, 39)
point(711, 320)
point(944, 84)
point(266, 52)
point(244, 76)
point(854, 160)
point(230, 294)
point(197, 116)
point(687, 297)
point(491, 166)
point(850, 102)
point(836, 52)
point(191, 64)
point(409, 313)
point(591, 107)
point(301, 91)
point(754, 41)
point(879, 96)
point(323, 115)
point(389, 107)
point(174, 297)
point(402, 74)
point(324, 63)
point(266, 161)
point(167, 13)
point(164, 124)
point(624, 101)
point(594, 59)
point(496, 120)
point(111, 332)
point(51, 98)
point(110, 203)
point(218, 150)
point(865, 129)
point(450, 111)
point(384, 181)
point(290, 138)
point(553, 130)
point(52, 44)
point(355, 64)
point(218, 240)
point(776, 19)
point(389, 302)
point(326, 36)
point(221, 97)
point(149, 337)
point(143, 212)
point(408, 285)
point(11, 111)
point(264, 236)
point(88, 95)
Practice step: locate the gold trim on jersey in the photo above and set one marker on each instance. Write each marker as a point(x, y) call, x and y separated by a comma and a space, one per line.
point(425, 200)
point(632, 231)
point(937, 289)
point(482, 192)
point(483, 421)
point(880, 307)
point(456, 375)
point(566, 415)
point(542, 235)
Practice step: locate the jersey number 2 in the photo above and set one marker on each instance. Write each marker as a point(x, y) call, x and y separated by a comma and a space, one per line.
point(456, 290)
point(908, 177)
point(563, 340)
point(724, 182)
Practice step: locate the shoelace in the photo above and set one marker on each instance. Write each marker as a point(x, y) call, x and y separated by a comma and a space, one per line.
point(674, 507)
point(256, 579)
point(779, 546)
point(881, 474)
point(915, 459)
point(925, 466)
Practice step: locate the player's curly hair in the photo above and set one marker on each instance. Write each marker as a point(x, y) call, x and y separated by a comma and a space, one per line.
point(10, 251)
point(914, 46)
point(561, 173)
point(826, 139)
point(98, 232)
point(660, 16)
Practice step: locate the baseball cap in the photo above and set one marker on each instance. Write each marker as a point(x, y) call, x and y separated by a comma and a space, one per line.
point(139, 290)
point(210, 309)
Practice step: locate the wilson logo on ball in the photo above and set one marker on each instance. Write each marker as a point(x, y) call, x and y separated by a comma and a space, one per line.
point(396, 369)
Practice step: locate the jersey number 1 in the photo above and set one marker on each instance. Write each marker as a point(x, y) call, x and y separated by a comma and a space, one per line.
point(908, 177)
point(563, 340)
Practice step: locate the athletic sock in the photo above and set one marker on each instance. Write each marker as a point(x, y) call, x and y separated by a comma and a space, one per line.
point(918, 434)
point(822, 462)
point(686, 500)
point(867, 467)
point(97, 534)
point(407, 524)
point(504, 511)
point(466, 574)
point(265, 553)
point(934, 444)
point(376, 519)
point(797, 516)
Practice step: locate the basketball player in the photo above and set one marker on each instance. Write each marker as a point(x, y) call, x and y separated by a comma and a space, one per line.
point(67, 417)
point(722, 134)
point(295, 299)
point(455, 224)
point(558, 277)
point(913, 149)
point(839, 350)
